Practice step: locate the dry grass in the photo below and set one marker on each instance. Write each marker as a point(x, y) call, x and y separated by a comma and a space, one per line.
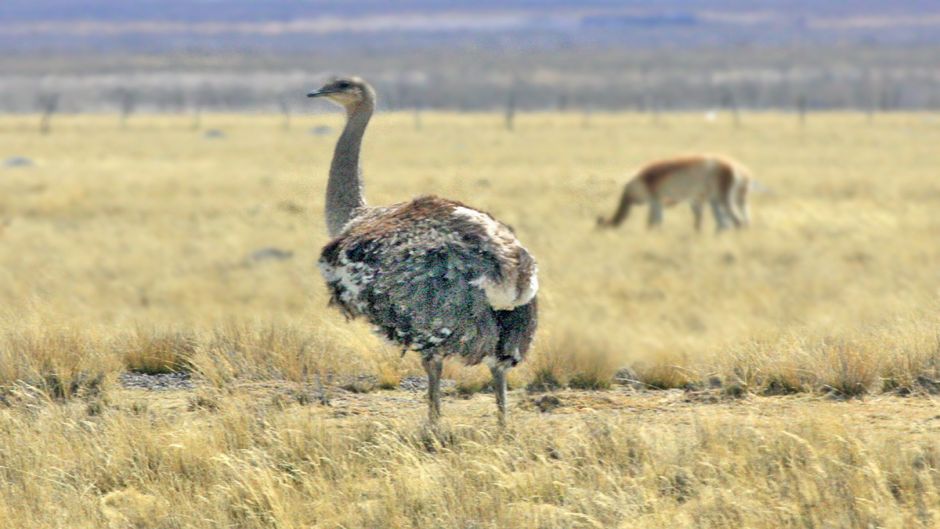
point(134, 250)
point(158, 351)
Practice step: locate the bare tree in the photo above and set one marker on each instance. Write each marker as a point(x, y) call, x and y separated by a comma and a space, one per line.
point(178, 100)
point(417, 116)
point(511, 108)
point(203, 96)
point(48, 103)
point(196, 123)
point(416, 94)
point(801, 108)
point(654, 107)
point(729, 102)
point(127, 102)
point(890, 98)
point(585, 113)
point(284, 104)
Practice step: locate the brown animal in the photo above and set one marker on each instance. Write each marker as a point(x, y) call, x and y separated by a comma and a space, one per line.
point(721, 182)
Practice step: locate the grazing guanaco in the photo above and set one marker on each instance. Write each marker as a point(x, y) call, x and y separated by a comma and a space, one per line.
point(721, 182)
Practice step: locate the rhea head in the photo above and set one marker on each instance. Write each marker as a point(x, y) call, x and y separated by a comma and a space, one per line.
point(347, 92)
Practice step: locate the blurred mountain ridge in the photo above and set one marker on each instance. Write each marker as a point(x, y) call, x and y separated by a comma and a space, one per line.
point(173, 25)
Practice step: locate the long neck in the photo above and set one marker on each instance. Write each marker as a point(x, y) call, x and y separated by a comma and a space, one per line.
point(623, 209)
point(344, 189)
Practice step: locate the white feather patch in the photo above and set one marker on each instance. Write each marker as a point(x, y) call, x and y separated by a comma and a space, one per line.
point(502, 295)
point(352, 277)
point(530, 289)
point(505, 294)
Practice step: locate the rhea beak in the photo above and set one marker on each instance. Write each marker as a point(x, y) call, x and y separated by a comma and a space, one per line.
point(320, 92)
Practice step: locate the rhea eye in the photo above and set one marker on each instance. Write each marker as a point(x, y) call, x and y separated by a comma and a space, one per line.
point(342, 84)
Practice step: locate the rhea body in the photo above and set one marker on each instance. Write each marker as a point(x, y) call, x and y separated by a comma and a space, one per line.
point(720, 182)
point(431, 275)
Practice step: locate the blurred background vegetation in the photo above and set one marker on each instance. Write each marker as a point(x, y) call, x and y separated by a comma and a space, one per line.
point(236, 55)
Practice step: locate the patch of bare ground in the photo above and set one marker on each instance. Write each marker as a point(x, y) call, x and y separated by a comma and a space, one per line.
point(888, 413)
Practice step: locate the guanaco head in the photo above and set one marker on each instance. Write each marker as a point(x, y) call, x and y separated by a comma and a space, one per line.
point(347, 92)
point(623, 210)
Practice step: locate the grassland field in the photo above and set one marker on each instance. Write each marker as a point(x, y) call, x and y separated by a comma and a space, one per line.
point(784, 376)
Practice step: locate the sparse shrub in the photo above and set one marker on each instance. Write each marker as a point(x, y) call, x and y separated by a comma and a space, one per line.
point(591, 379)
point(204, 400)
point(780, 384)
point(61, 364)
point(735, 390)
point(662, 375)
point(154, 352)
point(469, 380)
point(909, 371)
point(139, 407)
point(547, 403)
point(467, 388)
point(389, 378)
point(282, 352)
point(389, 367)
point(131, 508)
point(543, 379)
point(360, 384)
point(848, 370)
point(96, 406)
point(571, 361)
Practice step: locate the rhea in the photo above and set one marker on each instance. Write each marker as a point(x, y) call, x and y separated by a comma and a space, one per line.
point(431, 275)
point(721, 182)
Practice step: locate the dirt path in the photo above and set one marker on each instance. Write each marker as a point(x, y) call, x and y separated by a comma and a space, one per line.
point(918, 415)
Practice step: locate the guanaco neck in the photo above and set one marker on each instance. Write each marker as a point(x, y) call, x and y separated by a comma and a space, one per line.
point(344, 188)
point(623, 208)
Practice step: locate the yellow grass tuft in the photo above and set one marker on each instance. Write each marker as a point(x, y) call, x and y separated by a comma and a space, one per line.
point(158, 351)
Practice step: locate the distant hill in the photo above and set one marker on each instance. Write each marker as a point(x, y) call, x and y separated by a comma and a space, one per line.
point(168, 25)
point(189, 55)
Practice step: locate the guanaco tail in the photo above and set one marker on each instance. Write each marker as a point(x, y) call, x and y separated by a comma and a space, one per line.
point(721, 182)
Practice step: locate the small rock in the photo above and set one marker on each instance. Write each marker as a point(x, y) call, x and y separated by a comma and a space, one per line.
point(156, 381)
point(18, 161)
point(930, 385)
point(626, 376)
point(290, 207)
point(360, 384)
point(547, 403)
point(321, 130)
point(214, 133)
point(269, 253)
point(543, 384)
point(416, 383)
point(735, 390)
point(701, 397)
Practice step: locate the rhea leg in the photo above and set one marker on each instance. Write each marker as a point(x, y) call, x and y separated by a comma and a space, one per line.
point(434, 365)
point(697, 212)
point(656, 213)
point(499, 388)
